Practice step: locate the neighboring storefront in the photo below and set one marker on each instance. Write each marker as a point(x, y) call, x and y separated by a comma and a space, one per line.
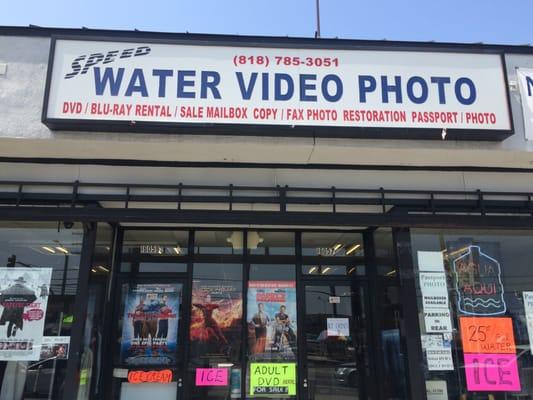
point(223, 217)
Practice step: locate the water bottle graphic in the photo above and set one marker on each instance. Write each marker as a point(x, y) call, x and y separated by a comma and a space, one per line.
point(478, 283)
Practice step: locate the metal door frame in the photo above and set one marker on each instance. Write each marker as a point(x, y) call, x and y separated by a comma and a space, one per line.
point(331, 281)
point(134, 276)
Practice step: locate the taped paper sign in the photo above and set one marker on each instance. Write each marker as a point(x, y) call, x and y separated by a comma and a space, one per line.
point(273, 379)
point(434, 289)
point(338, 327)
point(487, 335)
point(431, 341)
point(55, 347)
point(431, 261)
point(439, 359)
point(436, 390)
point(437, 320)
point(211, 376)
point(491, 372)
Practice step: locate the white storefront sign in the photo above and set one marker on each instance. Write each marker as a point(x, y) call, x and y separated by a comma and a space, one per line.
point(439, 359)
point(436, 390)
point(437, 320)
point(191, 84)
point(430, 261)
point(338, 326)
point(434, 290)
point(525, 83)
point(429, 341)
point(528, 308)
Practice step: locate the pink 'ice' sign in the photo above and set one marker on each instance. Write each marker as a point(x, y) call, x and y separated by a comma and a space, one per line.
point(211, 376)
point(491, 372)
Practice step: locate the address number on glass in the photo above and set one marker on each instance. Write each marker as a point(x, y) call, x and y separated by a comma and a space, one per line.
point(157, 250)
point(326, 251)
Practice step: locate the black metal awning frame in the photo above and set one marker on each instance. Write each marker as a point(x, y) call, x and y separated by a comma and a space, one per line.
point(258, 205)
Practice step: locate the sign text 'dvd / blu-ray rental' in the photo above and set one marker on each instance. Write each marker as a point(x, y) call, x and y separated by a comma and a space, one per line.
point(171, 84)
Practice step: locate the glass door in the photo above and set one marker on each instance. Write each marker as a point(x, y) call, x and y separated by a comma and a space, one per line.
point(149, 360)
point(334, 341)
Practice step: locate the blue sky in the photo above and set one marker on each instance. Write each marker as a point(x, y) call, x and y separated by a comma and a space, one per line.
point(488, 21)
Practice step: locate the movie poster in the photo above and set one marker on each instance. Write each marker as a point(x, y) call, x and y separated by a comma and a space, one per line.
point(23, 300)
point(150, 325)
point(216, 319)
point(272, 320)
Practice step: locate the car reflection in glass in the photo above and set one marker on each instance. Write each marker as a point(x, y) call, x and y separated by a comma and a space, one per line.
point(346, 374)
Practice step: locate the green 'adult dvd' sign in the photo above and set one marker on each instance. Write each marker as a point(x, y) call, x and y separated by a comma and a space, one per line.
point(273, 379)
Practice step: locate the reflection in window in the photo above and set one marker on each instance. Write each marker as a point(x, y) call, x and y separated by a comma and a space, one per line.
point(271, 243)
point(327, 270)
point(388, 319)
point(218, 242)
point(162, 267)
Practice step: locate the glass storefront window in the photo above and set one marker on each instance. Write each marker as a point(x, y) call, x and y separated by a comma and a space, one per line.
point(92, 353)
point(39, 266)
point(154, 250)
point(271, 243)
point(474, 291)
point(162, 267)
point(155, 243)
point(149, 334)
point(218, 242)
point(336, 343)
point(272, 332)
point(332, 244)
point(215, 330)
point(393, 384)
point(384, 253)
point(329, 269)
point(228, 355)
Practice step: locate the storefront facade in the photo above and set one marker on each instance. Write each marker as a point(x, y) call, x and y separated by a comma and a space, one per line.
point(216, 217)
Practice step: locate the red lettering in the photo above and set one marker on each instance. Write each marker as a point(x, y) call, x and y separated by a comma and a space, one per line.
point(163, 376)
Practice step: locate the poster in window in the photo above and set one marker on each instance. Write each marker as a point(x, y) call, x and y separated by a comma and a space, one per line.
point(477, 278)
point(150, 325)
point(272, 320)
point(216, 319)
point(55, 347)
point(23, 300)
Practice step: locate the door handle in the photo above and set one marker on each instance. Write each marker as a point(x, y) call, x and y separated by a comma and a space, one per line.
point(180, 382)
point(305, 383)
